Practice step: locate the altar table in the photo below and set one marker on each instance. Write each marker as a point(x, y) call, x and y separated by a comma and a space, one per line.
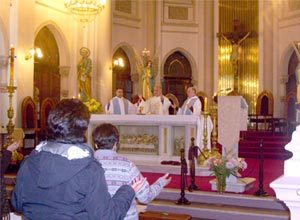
point(153, 137)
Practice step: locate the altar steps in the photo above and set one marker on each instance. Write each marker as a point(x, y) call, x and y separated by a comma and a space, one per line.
point(273, 145)
point(227, 206)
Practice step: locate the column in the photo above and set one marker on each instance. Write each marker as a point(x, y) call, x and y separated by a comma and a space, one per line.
point(103, 81)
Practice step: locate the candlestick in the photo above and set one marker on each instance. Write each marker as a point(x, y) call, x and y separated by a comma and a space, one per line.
point(205, 104)
point(12, 57)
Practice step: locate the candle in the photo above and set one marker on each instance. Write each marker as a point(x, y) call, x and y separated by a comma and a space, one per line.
point(205, 104)
point(12, 57)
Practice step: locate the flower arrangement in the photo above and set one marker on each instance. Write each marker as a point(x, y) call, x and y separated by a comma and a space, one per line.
point(94, 106)
point(224, 167)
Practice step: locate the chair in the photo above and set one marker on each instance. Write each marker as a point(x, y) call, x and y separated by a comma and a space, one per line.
point(202, 95)
point(47, 105)
point(264, 111)
point(29, 122)
point(173, 99)
point(265, 103)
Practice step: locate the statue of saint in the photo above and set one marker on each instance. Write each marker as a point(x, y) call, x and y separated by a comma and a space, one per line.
point(148, 80)
point(84, 70)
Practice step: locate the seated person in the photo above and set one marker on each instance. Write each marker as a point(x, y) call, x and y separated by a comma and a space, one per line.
point(120, 105)
point(61, 179)
point(139, 102)
point(192, 105)
point(120, 171)
point(158, 104)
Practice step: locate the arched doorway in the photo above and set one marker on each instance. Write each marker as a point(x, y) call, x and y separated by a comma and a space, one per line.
point(291, 90)
point(121, 73)
point(291, 85)
point(177, 75)
point(46, 69)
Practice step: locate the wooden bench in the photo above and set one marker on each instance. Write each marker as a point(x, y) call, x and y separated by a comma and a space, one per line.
point(150, 215)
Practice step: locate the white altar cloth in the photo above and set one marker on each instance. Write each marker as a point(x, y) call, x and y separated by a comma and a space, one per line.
point(165, 126)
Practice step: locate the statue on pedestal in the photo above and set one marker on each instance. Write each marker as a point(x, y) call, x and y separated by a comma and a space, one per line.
point(84, 70)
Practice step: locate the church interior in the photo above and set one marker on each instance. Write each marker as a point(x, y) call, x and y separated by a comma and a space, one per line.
point(241, 57)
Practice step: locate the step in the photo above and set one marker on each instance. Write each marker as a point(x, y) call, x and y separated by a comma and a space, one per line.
point(258, 150)
point(211, 205)
point(265, 144)
point(224, 199)
point(271, 138)
point(280, 156)
point(263, 134)
point(218, 212)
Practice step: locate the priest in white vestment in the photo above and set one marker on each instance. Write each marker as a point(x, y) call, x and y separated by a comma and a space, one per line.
point(158, 104)
point(192, 105)
point(119, 105)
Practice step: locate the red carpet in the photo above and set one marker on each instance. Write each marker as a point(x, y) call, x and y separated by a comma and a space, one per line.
point(272, 170)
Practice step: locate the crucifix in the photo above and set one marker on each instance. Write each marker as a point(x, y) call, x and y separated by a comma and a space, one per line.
point(236, 38)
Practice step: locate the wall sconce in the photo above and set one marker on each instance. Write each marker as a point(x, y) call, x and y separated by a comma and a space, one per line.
point(34, 52)
point(119, 62)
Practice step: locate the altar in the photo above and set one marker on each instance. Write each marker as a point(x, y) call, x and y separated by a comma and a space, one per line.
point(153, 138)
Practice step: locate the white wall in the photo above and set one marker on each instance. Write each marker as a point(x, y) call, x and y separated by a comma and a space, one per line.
point(288, 31)
point(21, 21)
point(194, 38)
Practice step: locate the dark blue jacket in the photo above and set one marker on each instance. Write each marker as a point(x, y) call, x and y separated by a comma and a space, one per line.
point(51, 186)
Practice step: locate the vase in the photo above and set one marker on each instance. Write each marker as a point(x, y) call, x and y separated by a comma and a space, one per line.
point(221, 183)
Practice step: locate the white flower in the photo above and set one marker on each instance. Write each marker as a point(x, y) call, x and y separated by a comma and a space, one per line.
point(229, 165)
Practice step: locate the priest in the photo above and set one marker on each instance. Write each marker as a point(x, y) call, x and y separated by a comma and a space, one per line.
point(158, 104)
point(192, 105)
point(120, 105)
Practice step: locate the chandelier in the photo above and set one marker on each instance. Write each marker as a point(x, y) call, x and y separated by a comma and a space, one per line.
point(85, 10)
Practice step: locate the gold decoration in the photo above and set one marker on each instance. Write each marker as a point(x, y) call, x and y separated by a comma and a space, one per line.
point(214, 137)
point(11, 89)
point(248, 85)
point(205, 151)
point(85, 10)
point(203, 156)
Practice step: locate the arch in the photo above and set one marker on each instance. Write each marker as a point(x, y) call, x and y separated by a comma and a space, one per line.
point(46, 69)
point(62, 43)
point(265, 103)
point(177, 73)
point(133, 56)
point(187, 55)
point(285, 59)
point(136, 64)
point(122, 75)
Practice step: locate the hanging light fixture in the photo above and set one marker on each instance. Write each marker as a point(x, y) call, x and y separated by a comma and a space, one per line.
point(85, 10)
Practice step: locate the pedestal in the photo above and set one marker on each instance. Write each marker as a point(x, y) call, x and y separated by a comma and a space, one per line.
point(234, 184)
point(287, 187)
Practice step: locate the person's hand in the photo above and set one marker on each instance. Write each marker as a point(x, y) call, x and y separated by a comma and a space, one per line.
point(14, 146)
point(166, 178)
point(137, 183)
